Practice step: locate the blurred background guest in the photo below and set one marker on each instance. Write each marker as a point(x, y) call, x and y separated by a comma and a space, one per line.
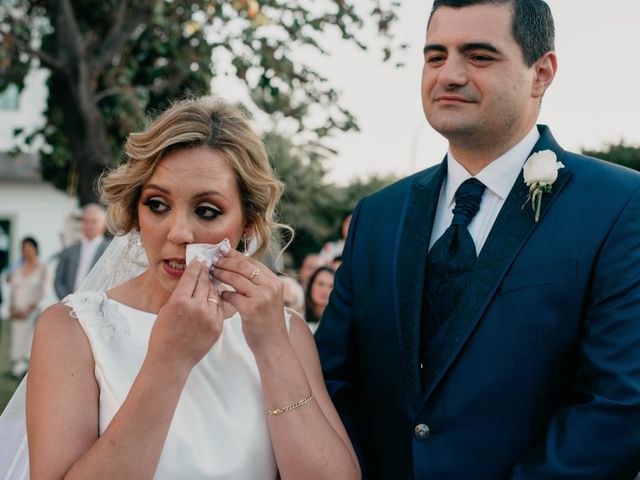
point(5, 242)
point(335, 263)
point(76, 260)
point(332, 250)
point(317, 295)
point(310, 264)
point(293, 294)
point(28, 283)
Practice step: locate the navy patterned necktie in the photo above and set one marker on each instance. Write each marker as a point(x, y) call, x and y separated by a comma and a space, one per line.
point(451, 258)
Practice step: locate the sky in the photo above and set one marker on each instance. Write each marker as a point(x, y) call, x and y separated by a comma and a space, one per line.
point(593, 101)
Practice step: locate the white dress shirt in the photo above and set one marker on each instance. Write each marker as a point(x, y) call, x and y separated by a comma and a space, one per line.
point(499, 177)
point(88, 249)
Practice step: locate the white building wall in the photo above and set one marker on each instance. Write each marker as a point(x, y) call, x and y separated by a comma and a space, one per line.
point(30, 112)
point(37, 210)
point(40, 211)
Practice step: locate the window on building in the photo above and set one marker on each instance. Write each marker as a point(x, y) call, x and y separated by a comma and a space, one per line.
point(5, 243)
point(10, 98)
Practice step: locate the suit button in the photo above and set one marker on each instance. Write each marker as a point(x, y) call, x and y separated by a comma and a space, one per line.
point(422, 431)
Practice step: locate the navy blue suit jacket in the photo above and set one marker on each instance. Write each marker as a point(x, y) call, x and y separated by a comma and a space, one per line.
point(538, 376)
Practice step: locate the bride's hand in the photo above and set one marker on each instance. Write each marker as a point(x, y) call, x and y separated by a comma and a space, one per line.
point(258, 298)
point(190, 323)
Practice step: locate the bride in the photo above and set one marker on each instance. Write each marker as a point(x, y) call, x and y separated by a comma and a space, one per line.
point(165, 376)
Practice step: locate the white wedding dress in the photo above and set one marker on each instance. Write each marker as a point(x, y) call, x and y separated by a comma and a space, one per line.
point(219, 430)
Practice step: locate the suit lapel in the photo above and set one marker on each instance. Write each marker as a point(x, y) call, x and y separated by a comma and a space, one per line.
point(74, 261)
point(411, 257)
point(99, 251)
point(512, 228)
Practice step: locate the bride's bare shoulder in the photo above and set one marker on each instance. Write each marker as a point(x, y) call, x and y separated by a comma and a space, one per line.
point(57, 324)
point(58, 312)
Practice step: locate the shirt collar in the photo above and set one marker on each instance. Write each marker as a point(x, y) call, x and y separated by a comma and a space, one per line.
point(499, 176)
point(92, 243)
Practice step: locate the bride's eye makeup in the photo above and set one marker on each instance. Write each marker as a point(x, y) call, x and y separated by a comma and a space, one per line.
point(156, 205)
point(207, 211)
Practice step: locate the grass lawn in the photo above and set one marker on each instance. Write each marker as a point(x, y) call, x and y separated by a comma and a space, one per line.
point(7, 384)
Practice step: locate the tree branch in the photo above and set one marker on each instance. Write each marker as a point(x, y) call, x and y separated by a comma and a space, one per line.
point(120, 33)
point(70, 43)
point(47, 60)
point(108, 92)
point(120, 16)
point(24, 45)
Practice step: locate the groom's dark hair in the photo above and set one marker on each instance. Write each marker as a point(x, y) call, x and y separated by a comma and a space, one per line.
point(531, 25)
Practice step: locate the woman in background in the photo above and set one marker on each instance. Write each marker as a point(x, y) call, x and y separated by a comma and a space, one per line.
point(28, 282)
point(317, 295)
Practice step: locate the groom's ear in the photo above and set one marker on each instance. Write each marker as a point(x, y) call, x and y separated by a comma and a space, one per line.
point(544, 69)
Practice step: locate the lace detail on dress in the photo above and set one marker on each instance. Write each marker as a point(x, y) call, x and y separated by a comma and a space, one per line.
point(97, 311)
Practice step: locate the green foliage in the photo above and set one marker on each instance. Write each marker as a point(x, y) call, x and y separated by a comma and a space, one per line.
point(140, 78)
point(621, 154)
point(312, 206)
point(137, 68)
point(308, 202)
point(360, 188)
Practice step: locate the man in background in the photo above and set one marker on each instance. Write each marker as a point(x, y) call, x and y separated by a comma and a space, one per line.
point(77, 260)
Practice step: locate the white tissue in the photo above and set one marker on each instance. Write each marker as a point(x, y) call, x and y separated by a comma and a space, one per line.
point(209, 255)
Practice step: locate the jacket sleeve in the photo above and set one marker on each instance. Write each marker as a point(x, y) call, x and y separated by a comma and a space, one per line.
point(597, 436)
point(337, 347)
point(59, 283)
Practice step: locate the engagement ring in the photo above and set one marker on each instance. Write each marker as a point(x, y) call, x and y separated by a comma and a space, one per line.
point(254, 274)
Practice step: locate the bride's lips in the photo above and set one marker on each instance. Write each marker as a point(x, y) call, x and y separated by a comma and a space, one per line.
point(174, 266)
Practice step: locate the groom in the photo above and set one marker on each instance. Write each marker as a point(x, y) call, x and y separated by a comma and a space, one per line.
point(466, 339)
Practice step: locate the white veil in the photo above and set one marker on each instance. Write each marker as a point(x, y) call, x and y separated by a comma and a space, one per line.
point(123, 259)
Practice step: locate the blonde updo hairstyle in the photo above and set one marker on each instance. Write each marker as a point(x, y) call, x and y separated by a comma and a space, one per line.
point(191, 123)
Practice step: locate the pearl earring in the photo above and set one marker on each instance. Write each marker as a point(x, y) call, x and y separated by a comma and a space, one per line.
point(244, 241)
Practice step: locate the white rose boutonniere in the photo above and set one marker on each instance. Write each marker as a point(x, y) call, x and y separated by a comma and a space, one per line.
point(540, 171)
